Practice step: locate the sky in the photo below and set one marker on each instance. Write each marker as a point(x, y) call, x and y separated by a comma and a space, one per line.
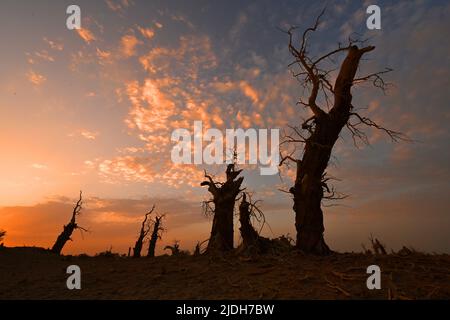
point(94, 109)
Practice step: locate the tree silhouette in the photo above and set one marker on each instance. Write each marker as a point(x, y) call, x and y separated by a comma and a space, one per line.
point(223, 197)
point(156, 234)
point(69, 228)
point(319, 133)
point(145, 229)
point(175, 249)
point(251, 240)
point(2, 234)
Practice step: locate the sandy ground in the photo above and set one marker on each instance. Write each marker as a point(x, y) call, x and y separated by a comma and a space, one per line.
point(31, 273)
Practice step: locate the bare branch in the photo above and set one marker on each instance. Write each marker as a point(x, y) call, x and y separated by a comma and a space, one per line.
point(376, 78)
point(394, 135)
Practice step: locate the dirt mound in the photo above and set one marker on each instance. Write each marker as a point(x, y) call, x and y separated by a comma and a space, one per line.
point(34, 273)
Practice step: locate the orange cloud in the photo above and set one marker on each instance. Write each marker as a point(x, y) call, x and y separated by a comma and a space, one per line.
point(104, 56)
point(119, 5)
point(54, 45)
point(249, 91)
point(146, 32)
point(39, 166)
point(128, 45)
point(86, 35)
point(44, 55)
point(89, 135)
point(35, 78)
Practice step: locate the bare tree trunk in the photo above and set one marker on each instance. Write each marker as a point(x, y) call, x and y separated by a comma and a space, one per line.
point(323, 128)
point(308, 189)
point(64, 236)
point(155, 236)
point(68, 229)
point(252, 242)
point(224, 198)
point(249, 235)
point(142, 234)
point(138, 246)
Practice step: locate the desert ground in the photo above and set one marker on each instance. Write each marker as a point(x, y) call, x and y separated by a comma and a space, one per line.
point(34, 273)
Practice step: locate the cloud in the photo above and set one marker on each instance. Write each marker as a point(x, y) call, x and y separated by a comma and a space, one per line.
point(89, 135)
point(249, 91)
point(181, 86)
point(104, 56)
point(55, 45)
point(118, 5)
point(35, 78)
point(181, 18)
point(84, 133)
point(44, 55)
point(146, 32)
point(39, 166)
point(128, 45)
point(86, 35)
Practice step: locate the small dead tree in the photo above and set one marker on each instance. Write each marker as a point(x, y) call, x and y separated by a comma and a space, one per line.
point(156, 234)
point(377, 246)
point(2, 235)
point(251, 240)
point(175, 249)
point(224, 198)
point(68, 229)
point(319, 133)
point(145, 229)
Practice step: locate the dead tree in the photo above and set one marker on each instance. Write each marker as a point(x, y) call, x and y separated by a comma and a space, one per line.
point(377, 246)
point(145, 229)
point(319, 133)
point(175, 249)
point(224, 198)
point(251, 240)
point(156, 234)
point(68, 229)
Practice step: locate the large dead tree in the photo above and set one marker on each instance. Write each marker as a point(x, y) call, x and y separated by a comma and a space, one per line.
point(68, 229)
point(319, 133)
point(156, 234)
point(224, 198)
point(145, 229)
